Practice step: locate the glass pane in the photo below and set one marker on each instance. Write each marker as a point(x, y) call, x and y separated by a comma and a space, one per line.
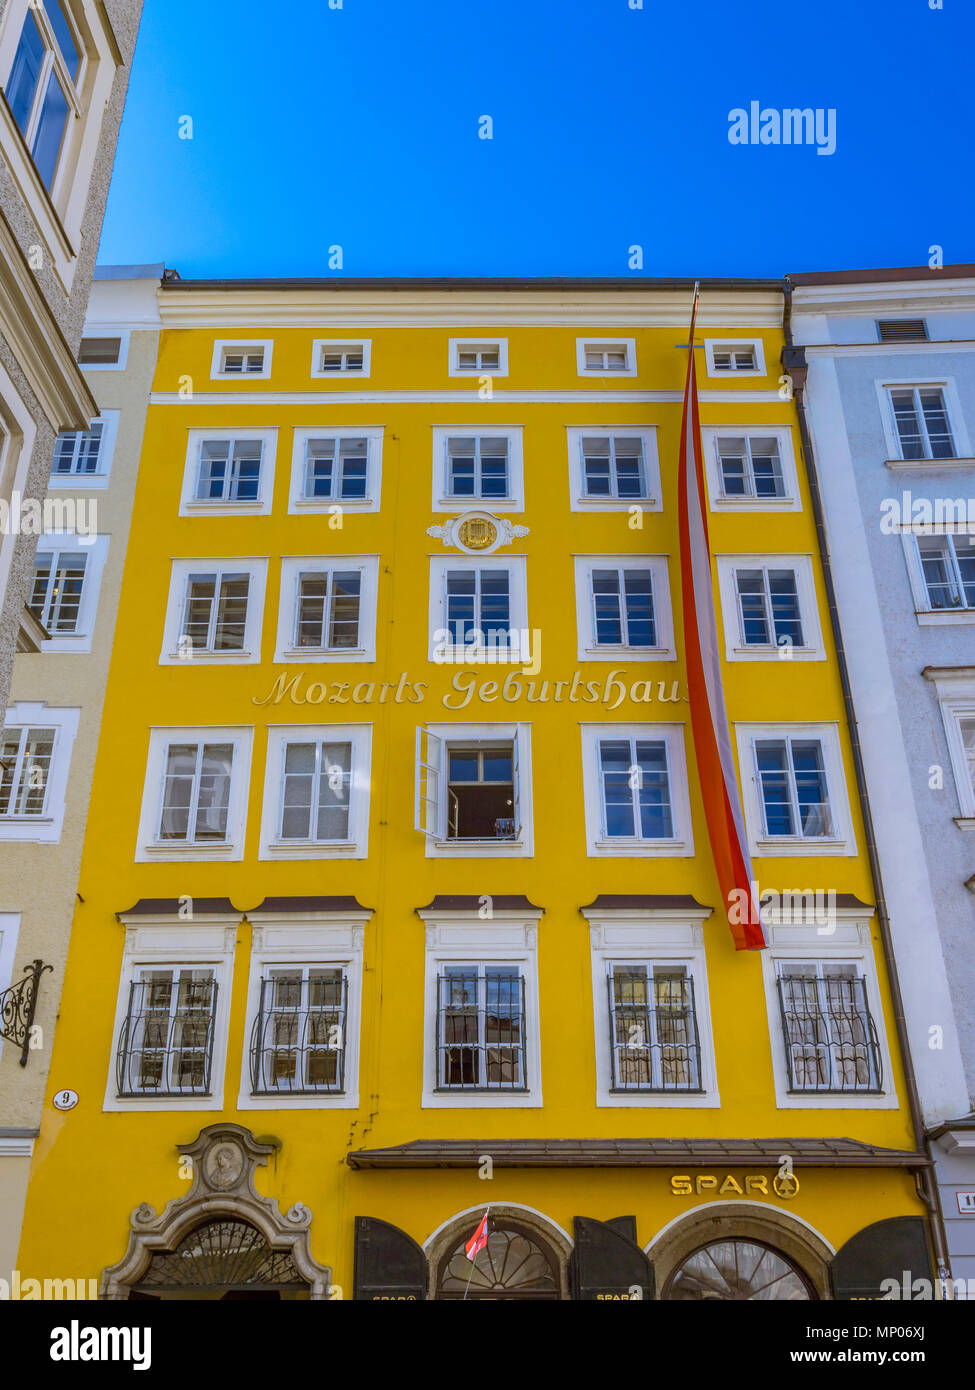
point(965, 556)
point(62, 32)
point(299, 781)
point(50, 131)
point(785, 606)
point(908, 425)
point(214, 797)
point(773, 772)
point(26, 70)
point(641, 628)
point(615, 759)
point(606, 603)
point(754, 615)
point(653, 790)
point(810, 776)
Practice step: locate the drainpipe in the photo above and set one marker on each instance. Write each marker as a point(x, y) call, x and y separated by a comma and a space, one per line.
point(926, 1185)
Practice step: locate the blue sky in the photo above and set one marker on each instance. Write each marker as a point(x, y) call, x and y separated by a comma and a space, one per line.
point(358, 127)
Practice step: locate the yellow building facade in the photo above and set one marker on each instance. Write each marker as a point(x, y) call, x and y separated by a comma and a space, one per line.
point(397, 904)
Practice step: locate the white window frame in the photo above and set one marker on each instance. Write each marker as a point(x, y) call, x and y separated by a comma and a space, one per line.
point(442, 501)
point(453, 361)
point(91, 482)
point(108, 330)
point(600, 845)
point(790, 502)
point(451, 653)
point(956, 421)
point(357, 846)
point(926, 615)
point(44, 829)
point(758, 349)
point(847, 942)
point(292, 567)
point(955, 690)
point(430, 772)
point(509, 937)
point(588, 649)
point(222, 346)
point(580, 502)
point(735, 647)
point(843, 840)
point(650, 936)
point(313, 939)
point(250, 655)
point(298, 502)
point(605, 342)
point(205, 940)
point(191, 505)
point(361, 374)
point(149, 848)
point(96, 550)
point(9, 932)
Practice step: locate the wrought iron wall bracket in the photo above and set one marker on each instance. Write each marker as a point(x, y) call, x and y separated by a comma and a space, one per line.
point(17, 1006)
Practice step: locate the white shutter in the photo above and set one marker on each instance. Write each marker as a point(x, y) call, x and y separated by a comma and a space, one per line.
point(429, 765)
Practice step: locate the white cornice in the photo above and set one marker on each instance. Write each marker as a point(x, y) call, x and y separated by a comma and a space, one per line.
point(888, 297)
point(930, 348)
point(458, 397)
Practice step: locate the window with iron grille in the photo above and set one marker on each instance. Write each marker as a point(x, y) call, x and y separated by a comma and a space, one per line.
point(41, 90)
point(327, 616)
point(298, 1039)
point(921, 421)
point(316, 791)
point(242, 361)
point(750, 466)
point(477, 466)
point(229, 470)
point(196, 792)
point(481, 1028)
point(25, 769)
point(166, 1043)
point(78, 452)
point(215, 611)
point(634, 779)
point(337, 467)
point(59, 583)
point(948, 567)
point(794, 789)
point(613, 466)
point(768, 607)
point(831, 1041)
point(654, 1039)
point(622, 607)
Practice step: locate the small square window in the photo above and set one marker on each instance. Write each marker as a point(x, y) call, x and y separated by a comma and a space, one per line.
point(99, 352)
point(478, 357)
point(333, 357)
point(237, 358)
point(728, 357)
point(606, 358)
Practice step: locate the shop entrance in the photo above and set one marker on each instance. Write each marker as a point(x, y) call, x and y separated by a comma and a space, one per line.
point(737, 1270)
point(516, 1263)
point(226, 1259)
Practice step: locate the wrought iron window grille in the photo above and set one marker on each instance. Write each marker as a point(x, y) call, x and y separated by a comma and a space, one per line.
point(831, 1041)
point(298, 1038)
point(166, 1044)
point(654, 1041)
point(481, 1031)
point(18, 1004)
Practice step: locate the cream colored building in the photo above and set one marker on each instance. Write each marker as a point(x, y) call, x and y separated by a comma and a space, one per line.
point(56, 696)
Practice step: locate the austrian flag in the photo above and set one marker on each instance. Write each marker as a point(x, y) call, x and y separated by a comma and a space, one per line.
point(709, 718)
point(478, 1240)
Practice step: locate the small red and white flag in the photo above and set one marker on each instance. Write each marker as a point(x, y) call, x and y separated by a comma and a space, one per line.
point(709, 717)
point(478, 1240)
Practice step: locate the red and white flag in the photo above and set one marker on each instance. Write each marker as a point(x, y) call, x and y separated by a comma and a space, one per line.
point(709, 718)
point(478, 1240)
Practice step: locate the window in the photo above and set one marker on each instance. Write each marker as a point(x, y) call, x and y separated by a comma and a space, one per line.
point(743, 357)
point(100, 352)
point(830, 1039)
point(59, 581)
point(955, 686)
point(902, 330)
point(316, 792)
point(41, 88)
point(35, 755)
point(750, 470)
point(478, 357)
point(78, 452)
point(328, 609)
point(215, 611)
point(622, 606)
point(25, 767)
point(229, 472)
point(242, 359)
point(794, 789)
point(334, 469)
point(769, 607)
point(478, 609)
point(921, 421)
point(481, 1028)
point(336, 357)
point(635, 789)
point(194, 804)
point(481, 1039)
point(653, 1039)
point(473, 789)
point(612, 471)
point(166, 1044)
point(606, 358)
point(948, 568)
point(470, 466)
point(298, 1039)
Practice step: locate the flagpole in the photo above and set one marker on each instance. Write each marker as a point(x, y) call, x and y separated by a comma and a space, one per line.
point(473, 1262)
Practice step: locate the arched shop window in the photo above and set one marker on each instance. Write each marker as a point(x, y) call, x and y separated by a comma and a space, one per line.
point(737, 1270)
point(513, 1265)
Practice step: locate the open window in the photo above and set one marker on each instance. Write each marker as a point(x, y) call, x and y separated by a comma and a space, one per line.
point(470, 790)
